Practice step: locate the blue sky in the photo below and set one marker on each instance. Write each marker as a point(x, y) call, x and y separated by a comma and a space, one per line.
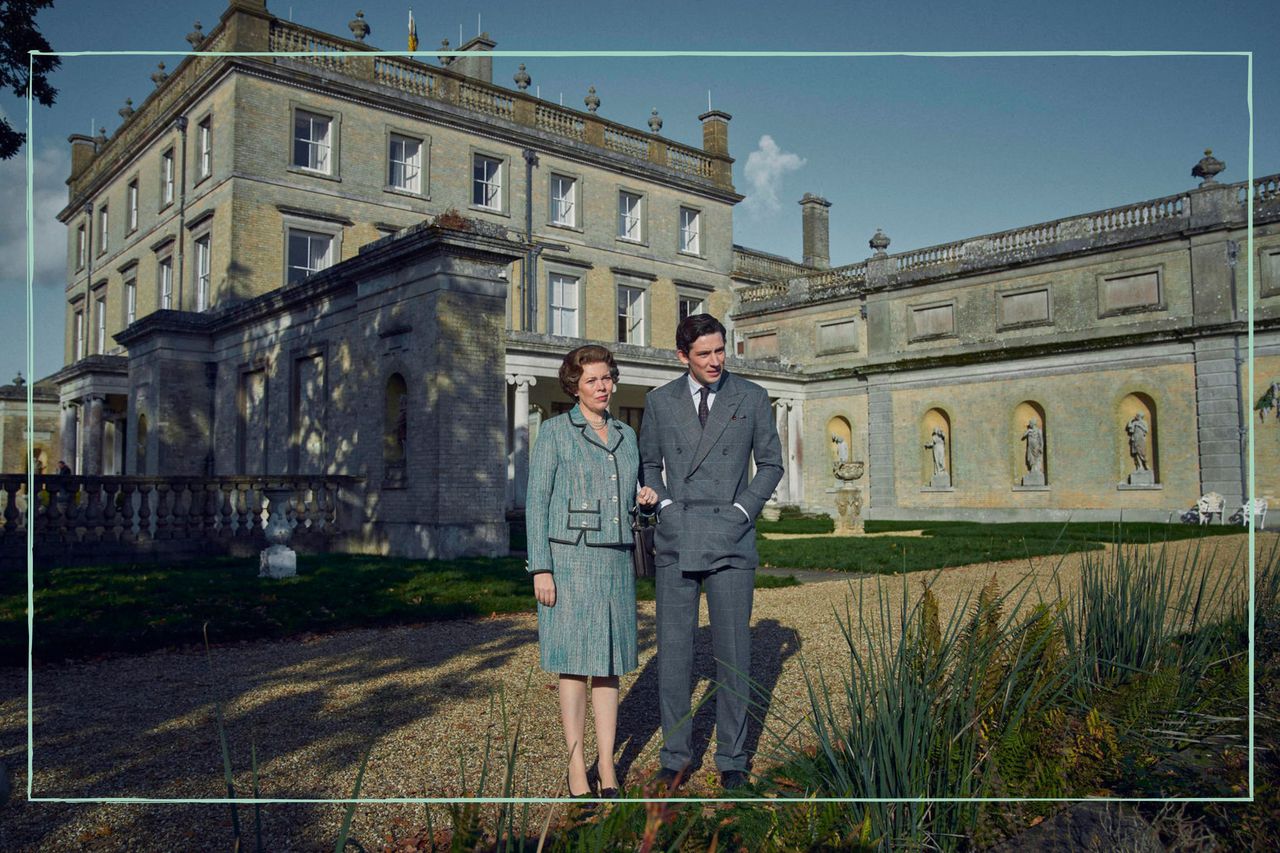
point(929, 149)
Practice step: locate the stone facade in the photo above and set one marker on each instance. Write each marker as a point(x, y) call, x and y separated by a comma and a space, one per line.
point(17, 445)
point(1079, 323)
point(202, 341)
point(299, 381)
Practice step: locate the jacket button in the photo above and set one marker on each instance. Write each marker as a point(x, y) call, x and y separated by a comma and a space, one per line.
point(613, 476)
point(679, 450)
point(610, 457)
point(615, 500)
point(717, 509)
point(725, 452)
point(615, 519)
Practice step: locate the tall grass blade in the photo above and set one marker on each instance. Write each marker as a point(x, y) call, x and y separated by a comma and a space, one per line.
point(345, 829)
point(222, 742)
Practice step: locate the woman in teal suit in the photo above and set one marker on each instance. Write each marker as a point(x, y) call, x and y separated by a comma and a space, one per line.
point(582, 481)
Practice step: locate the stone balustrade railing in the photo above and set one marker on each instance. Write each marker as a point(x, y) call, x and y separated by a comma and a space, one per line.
point(821, 283)
point(409, 75)
point(104, 511)
point(1265, 190)
point(1137, 215)
point(747, 262)
point(1144, 220)
point(342, 56)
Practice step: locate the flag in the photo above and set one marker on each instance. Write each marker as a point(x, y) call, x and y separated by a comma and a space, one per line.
point(413, 33)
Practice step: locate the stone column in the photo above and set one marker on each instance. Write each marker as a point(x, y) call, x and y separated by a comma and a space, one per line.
point(520, 433)
point(69, 423)
point(92, 465)
point(781, 407)
point(795, 451)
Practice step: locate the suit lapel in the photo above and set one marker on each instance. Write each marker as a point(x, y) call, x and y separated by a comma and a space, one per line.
point(615, 434)
point(726, 405)
point(686, 414)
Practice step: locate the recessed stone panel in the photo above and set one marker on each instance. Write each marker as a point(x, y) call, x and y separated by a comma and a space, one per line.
point(763, 346)
point(838, 336)
point(1024, 308)
point(1135, 292)
point(933, 321)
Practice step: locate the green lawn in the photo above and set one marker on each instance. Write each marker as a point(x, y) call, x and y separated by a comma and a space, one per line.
point(958, 543)
point(136, 608)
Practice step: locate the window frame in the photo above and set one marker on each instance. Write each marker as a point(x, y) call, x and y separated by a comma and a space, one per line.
point(424, 162)
point(577, 279)
point(131, 196)
point(641, 220)
point(575, 201)
point(77, 329)
point(202, 279)
point(104, 228)
point(164, 279)
point(204, 147)
point(334, 142)
point(168, 178)
point(689, 290)
point(82, 246)
point(504, 184)
point(131, 298)
point(100, 326)
point(642, 289)
point(681, 248)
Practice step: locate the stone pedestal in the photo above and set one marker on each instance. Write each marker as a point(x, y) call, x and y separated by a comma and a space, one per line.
point(849, 511)
point(1142, 478)
point(1032, 478)
point(278, 561)
point(941, 480)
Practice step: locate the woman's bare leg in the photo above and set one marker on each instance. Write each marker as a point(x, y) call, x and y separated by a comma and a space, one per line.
point(604, 704)
point(573, 715)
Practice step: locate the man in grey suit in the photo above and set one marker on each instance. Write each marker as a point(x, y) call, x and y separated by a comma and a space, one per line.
point(703, 428)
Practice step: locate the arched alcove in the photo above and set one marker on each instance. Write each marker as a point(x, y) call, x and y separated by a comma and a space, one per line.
point(1137, 428)
point(140, 457)
point(395, 432)
point(840, 440)
point(1029, 446)
point(935, 462)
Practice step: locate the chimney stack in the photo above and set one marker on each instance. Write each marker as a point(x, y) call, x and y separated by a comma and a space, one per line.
point(817, 231)
point(83, 150)
point(715, 132)
point(480, 66)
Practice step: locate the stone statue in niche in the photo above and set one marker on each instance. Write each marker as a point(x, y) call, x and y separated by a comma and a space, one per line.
point(1034, 437)
point(1137, 429)
point(842, 449)
point(938, 444)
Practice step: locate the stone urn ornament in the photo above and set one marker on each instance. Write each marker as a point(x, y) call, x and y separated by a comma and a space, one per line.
point(278, 560)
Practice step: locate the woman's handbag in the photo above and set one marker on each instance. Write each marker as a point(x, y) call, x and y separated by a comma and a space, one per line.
point(643, 527)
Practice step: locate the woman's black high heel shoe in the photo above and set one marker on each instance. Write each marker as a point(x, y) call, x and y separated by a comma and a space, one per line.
point(590, 793)
point(605, 793)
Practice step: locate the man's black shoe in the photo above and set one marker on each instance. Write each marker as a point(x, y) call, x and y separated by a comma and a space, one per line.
point(669, 779)
point(732, 780)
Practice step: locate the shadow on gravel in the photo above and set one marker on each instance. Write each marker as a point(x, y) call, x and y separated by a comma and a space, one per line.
point(638, 722)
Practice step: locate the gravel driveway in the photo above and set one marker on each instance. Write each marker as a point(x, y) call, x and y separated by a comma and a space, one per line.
point(422, 695)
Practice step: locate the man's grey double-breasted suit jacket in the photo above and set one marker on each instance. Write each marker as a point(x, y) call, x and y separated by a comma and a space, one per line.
point(707, 472)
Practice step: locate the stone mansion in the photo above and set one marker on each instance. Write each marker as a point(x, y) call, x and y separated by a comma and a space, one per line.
point(371, 266)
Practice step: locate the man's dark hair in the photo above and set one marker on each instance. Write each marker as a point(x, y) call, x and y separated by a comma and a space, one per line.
point(695, 326)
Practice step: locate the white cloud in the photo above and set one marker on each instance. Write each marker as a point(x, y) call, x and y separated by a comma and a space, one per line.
point(49, 195)
point(765, 169)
